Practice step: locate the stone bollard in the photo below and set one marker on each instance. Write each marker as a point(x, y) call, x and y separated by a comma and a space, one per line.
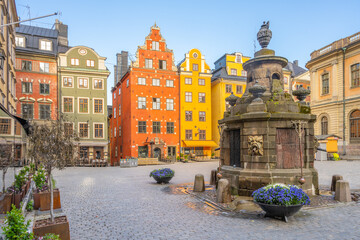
point(213, 177)
point(335, 178)
point(199, 185)
point(342, 192)
point(223, 191)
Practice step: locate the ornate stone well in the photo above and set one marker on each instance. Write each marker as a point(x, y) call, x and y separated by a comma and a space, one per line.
point(260, 143)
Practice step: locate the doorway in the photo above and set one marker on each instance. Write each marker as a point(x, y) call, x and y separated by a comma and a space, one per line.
point(235, 148)
point(172, 152)
point(157, 153)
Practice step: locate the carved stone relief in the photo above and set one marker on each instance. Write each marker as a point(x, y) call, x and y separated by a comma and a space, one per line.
point(255, 146)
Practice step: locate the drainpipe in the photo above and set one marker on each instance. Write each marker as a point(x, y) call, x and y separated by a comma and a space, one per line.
point(344, 131)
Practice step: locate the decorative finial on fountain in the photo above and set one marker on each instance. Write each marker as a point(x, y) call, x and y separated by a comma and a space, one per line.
point(264, 35)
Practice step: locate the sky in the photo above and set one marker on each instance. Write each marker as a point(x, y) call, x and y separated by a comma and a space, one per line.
point(214, 27)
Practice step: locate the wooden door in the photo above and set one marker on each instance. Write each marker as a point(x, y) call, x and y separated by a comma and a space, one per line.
point(287, 147)
point(235, 148)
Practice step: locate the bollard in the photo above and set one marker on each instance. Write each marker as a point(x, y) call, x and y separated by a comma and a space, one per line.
point(342, 192)
point(213, 177)
point(199, 184)
point(223, 191)
point(335, 178)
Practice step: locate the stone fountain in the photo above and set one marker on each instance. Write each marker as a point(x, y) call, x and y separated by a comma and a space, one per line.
point(260, 138)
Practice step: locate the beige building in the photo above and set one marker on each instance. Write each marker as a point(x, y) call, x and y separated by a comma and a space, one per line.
point(335, 91)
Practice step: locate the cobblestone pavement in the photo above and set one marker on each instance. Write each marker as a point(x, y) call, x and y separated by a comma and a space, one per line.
point(125, 203)
point(118, 203)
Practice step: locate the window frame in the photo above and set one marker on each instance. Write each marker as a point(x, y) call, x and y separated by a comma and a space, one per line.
point(40, 112)
point(30, 87)
point(85, 79)
point(188, 81)
point(188, 134)
point(227, 86)
point(47, 85)
point(354, 122)
point(87, 104)
point(141, 81)
point(5, 126)
point(233, 72)
point(94, 105)
point(202, 115)
point(201, 82)
point(162, 64)
point(188, 96)
point(63, 104)
point(142, 126)
point(149, 63)
point(202, 97)
point(32, 110)
point(97, 129)
point(46, 45)
point(156, 103)
point(170, 104)
point(324, 125)
point(90, 63)
point(195, 67)
point(168, 81)
point(188, 116)
point(325, 90)
point(67, 79)
point(170, 127)
point(156, 81)
point(98, 80)
point(202, 134)
point(158, 128)
point(87, 129)
point(17, 41)
point(74, 62)
point(26, 65)
point(237, 89)
point(143, 101)
point(355, 75)
point(46, 67)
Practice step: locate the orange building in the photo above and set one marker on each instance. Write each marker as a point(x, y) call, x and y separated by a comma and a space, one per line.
point(145, 121)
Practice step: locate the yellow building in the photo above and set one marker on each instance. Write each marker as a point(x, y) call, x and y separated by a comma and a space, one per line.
point(335, 92)
point(195, 105)
point(228, 77)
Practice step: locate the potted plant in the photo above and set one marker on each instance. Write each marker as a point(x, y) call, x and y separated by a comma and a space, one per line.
point(163, 175)
point(15, 227)
point(53, 148)
point(279, 200)
point(6, 159)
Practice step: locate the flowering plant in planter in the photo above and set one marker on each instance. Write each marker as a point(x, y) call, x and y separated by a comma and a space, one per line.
point(163, 175)
point(280, 194)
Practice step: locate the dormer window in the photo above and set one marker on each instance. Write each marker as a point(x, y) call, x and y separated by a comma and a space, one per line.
point(155, 45)
point(90, 63)
point(45, 45)
point(238, 58)
point(20, 41)
point(74, 61)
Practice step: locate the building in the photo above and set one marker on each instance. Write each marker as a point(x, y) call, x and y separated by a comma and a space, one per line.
point(335, 91)
point(296, 77)
point(83, 99)
point(195, 105)
point(146, 104)
point(228, 77)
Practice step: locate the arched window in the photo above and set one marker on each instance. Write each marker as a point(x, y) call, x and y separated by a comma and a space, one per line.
point(324, 126)
point(275, 76)
point(355, 125)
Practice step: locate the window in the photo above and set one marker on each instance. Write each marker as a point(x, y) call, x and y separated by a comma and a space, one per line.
point(286, 81)
point(44, 88)
point(238, 58)
point(169, 127)
point(44, 67)
point(90, 63)
point(156, 82)
point(233, 71)
point(201, 97)
point(324, 126)
point(169, 104)
point(156, 127)
point(239, 89)
point(325, 83)
point(243, 73)
point(127, 83)
point(188, 81)
point(195, 67)
point(20, 41)
point(156, 103)
point(83, 130)
point(143, 151)
point(98, 83)
point(202, 134)
point(45, 45)
point(114, 131)
point(27, 87)
point(83, 105)
point(119, 131)
point(99, 130)
point(170, 83)
point(228, 88)
point(188, 115)
point(141, 102)
point(74, 61)
point(188, 134)
point(44, 111)
point(28, 111)
point(142, 127)
point(148, 63)
point(114, 112)
point(355, 75)
point(119, 91)
point(188, 96)
point(202, 82)
point(68, 129)
point(355, 125)
point(83, 82)
point(68, 104)
point(5, 126)
point(202, 116)
point(227, 106)
point(26, 65)
point(141, 81)
point(119, 109)
point(162, 64)
point(67, 81)
point(98, 108)
point(155, 45)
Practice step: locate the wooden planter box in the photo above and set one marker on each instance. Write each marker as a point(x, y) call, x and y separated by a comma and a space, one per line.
point(59, 227)
point(5, 202)
point(16, 199)
point(45, 200)
point(36, 197)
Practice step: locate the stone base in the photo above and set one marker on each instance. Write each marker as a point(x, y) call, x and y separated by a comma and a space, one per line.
point(248, 180)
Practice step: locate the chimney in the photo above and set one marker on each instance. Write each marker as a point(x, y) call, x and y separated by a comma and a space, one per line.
point(62, 30)
point(121, 65)
point(296, 62)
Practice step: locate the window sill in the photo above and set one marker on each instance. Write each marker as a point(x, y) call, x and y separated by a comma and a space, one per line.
point(354, 87)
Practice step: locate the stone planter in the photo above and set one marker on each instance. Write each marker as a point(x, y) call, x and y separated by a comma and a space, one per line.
point(277, 211)
point(5, 202)
point(45, 200)
point(162, 179)
point(59, 227)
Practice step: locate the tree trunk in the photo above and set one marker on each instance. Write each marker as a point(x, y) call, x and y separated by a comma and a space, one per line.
point(51, 199)
point(3, 181)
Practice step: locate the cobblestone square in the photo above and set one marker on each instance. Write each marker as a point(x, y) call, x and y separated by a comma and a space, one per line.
point(125, 203)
